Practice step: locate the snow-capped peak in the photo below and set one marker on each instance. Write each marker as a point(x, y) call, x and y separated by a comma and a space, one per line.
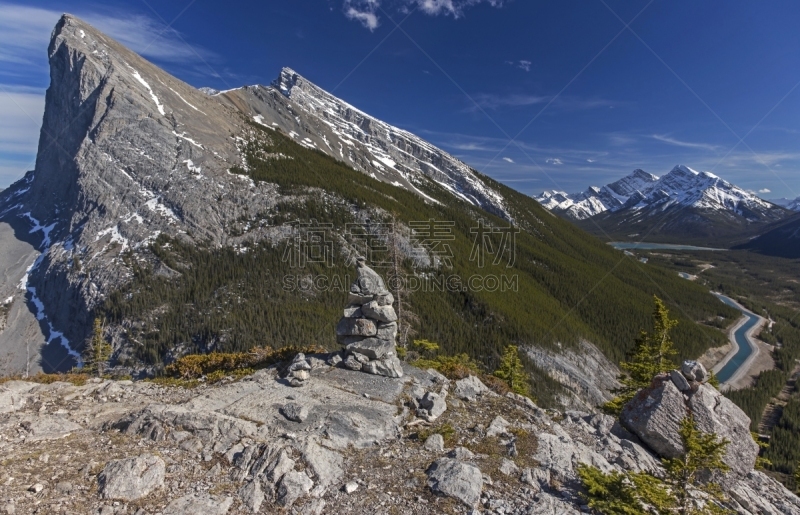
point(319, 120)
point(682, 186)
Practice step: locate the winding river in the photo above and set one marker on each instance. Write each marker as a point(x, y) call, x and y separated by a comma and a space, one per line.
point(740, 339)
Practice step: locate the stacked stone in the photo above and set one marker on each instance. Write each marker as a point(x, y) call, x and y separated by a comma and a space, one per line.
point(690, 374)
point(369, 326)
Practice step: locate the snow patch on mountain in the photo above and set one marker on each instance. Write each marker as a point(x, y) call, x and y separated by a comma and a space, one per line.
point(149, 90)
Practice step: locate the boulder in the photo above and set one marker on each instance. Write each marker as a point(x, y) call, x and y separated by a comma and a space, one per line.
point(434, 443)
point(294, 412)
point(130, 479)
point(293, 486)
point(656, 412)
point(453, 478)
point(497, 427)
point(470, 388)
point(461, 453)
point(431, 406)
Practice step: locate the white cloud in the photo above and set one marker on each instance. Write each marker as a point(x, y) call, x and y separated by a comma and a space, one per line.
point(23, 31)
point(590, 160)
point(148, 37)
point(492, 101)
point(554, 161)
point(363, 12)
point(508, 160)
point(25, 34)
point(21, 111)
point(765, 190)
point(563, 102)
point(685, 144)
point(524, 65)
point(366, 11)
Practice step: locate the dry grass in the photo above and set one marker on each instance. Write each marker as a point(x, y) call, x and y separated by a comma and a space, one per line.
point(77, 379)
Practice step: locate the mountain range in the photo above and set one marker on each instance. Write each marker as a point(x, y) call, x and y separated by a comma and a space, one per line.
point(684, 205)
point(187, 221)
point(793, 205)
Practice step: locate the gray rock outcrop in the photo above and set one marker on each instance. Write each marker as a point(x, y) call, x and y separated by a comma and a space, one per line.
point(656, 412)
point(228, 448)
point(369, 326)
point(470, 388)
point(293, 486)
point(454, 478)
point(132, 478)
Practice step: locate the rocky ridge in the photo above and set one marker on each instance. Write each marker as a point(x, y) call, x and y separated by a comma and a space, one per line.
point(122, 447)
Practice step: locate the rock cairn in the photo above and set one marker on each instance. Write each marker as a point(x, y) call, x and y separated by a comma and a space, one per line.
point(299, 371)
point(369, 326)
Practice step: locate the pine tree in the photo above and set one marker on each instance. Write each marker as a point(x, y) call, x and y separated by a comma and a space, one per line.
point(797, 479)
point(703, 452)
point(625, 493)
point(635, 493)
point(98, 351)
point(651, 355)
point(512, 371)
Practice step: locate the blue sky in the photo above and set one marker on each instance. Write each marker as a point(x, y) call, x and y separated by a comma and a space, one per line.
point(540, 95)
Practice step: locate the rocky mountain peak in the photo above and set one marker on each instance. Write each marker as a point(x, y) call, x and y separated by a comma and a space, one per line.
point(639, 192)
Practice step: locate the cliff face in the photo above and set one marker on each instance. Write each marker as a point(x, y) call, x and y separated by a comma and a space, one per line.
point(126, 152)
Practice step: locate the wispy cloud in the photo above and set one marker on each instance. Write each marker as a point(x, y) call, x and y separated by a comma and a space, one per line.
point(24, 37)
point(493, 101)
point(686, 144)
point(21, 111)
point(25, 33)
point(514, 100)
point(522, 64)
point(508, 160)
point(765, 190)
point(554, 161)
point(367, 12)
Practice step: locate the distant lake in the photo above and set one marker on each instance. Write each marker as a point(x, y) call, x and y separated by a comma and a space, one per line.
point(626, 245)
